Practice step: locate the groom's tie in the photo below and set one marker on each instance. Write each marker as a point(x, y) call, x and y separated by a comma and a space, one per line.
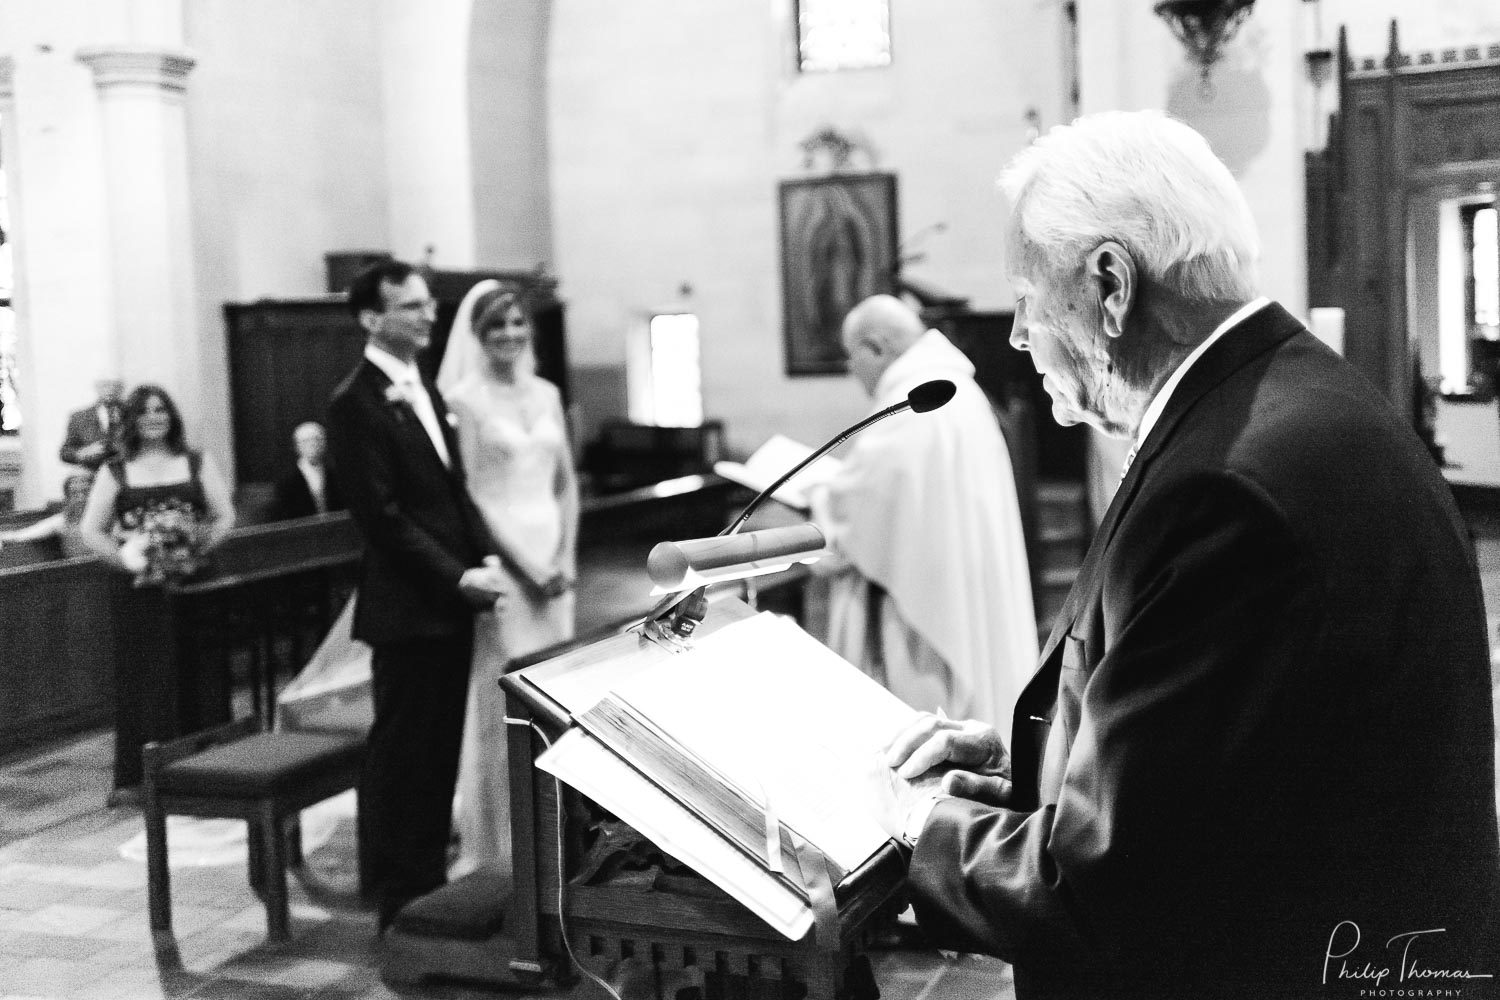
point(414, 390)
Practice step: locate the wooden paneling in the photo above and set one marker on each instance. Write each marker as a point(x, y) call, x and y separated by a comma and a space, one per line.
point(285, 360)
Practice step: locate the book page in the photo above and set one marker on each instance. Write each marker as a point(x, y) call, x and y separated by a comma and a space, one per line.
point(595, 771)
point(772, 460)
point(786, 720)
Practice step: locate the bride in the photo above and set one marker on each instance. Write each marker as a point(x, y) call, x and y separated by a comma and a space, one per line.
point(512, 436)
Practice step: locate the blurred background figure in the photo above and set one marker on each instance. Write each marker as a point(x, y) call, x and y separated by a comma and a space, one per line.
point(93, 436)
point(154, 513)
point(931, 590)
point(513, 440)
point(62, 525)
point(306, 488)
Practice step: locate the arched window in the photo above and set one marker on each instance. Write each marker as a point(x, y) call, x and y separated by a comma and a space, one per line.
point(843, 34)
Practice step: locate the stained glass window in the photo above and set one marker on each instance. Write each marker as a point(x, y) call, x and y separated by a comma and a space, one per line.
point(843, 34)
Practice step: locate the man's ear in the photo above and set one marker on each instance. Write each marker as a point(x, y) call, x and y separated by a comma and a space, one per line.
point(1111, 271)
point(369, 319)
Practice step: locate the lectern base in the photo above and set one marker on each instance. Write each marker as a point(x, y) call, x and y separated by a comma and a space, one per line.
point(457, 933)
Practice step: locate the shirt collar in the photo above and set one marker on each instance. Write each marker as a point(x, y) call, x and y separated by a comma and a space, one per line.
point(1164, 394)
point(398, 371)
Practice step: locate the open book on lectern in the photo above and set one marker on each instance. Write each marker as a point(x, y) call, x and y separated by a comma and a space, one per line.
point(729, 755)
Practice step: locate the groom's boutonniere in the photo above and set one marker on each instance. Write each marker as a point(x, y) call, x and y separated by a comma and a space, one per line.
point(398, 398)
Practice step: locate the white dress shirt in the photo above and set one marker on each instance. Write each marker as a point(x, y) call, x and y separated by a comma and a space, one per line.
point(408, 380)
point(314, 476)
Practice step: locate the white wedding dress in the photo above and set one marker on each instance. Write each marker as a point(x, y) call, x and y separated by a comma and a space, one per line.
point(513, 468)
point(512, 474)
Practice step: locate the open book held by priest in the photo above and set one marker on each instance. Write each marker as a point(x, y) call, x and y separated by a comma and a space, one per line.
point(773, 458)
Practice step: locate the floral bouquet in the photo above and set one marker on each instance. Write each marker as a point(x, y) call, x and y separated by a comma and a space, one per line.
point(164, 545)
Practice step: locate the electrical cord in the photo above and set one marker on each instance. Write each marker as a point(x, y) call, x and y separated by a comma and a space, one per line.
point(562, 882)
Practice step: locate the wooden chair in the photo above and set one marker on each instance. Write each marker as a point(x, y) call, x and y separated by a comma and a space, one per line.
point(237, 771)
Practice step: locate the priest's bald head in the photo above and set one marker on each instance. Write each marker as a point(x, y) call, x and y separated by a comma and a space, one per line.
point(876, 332)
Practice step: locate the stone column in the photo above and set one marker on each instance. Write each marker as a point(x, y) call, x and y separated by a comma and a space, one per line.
point(143, 121)
point(10, 448)
point(54, 171)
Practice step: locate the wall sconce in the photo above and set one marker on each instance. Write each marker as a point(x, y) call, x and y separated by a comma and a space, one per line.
point(1204, 27)
point(1319, 64)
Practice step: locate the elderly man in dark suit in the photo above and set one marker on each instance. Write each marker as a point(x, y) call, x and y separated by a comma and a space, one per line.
point(93, 436)
point(306, 488)
point(1257, 757)
point(424, 575)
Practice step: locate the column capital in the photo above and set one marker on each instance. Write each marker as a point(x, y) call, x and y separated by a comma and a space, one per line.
point(138, 67)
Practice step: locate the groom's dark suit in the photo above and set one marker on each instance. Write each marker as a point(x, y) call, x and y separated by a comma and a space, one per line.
point(1265, 710)
point(421, 533)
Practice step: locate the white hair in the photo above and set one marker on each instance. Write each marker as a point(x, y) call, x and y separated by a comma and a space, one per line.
point(1150, 183)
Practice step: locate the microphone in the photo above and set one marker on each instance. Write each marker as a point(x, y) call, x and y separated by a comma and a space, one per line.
point(680, 561)
point(922, 399)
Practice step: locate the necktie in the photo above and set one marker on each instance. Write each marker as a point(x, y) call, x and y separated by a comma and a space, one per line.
point(427, 414)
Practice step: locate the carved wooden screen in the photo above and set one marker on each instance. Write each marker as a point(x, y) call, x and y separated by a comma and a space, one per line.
point(1405, 123)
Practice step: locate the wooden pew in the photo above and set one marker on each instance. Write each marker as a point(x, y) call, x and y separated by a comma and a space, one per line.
point(64, 623)
point(75, 633)
point(56, 650)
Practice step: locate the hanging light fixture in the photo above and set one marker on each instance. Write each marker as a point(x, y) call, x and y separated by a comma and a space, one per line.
point(1204, 27)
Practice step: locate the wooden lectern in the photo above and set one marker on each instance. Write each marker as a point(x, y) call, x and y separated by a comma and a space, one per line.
point(654, 931)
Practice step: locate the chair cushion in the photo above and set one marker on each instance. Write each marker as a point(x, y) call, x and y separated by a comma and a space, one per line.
point(470, 909)
point(261, 764)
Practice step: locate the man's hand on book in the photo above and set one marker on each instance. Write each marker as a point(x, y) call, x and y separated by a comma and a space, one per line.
point(893, 798)
point(967, 757)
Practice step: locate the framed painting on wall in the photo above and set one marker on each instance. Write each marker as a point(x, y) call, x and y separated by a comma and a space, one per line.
point(838, 246)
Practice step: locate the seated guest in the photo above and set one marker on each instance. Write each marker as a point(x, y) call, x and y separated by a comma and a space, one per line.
point(155, 513)
point(63, 525)
point(306, 489)
point(94, 432)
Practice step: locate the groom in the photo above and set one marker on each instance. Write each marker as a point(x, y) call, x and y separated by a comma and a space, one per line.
point(422, 579)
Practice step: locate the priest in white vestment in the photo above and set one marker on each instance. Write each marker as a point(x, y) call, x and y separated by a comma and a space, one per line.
point(930, 592)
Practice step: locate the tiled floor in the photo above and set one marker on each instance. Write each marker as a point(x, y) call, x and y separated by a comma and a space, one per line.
point(73, 914)
point(73, 910)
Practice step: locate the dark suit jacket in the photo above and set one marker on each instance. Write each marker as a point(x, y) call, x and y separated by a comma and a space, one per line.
point(421, 529)
point(1264, 710)
point(83, 430)
point(291, 497)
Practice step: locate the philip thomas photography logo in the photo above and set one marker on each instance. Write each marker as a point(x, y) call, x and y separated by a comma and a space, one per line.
point(1403, 968)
